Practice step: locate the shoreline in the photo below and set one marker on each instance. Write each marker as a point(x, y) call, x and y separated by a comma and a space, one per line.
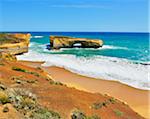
point(137, 99)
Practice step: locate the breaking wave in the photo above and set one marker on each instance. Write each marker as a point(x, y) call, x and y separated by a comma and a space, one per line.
point(107, 68)
point(37, 36)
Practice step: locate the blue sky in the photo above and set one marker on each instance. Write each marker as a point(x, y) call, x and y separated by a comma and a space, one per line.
point(74, 15)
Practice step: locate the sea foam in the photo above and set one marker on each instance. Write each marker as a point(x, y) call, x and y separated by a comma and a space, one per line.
point(101, 67)
point(37, 36)
point(113, 47)
point(101, 48)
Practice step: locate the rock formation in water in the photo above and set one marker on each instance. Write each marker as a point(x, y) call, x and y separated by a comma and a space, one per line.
point(57, 42)
point(14, 43)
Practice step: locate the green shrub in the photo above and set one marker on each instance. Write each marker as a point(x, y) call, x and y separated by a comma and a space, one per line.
point(21, 98)
point(97, 105)
point(112, 100)
point(39, 68)
point(103, 104)
point(2, 64)
point(18, 79)
point(56, 83)
point(23, 70)
point(4, 98)
point(26, 103)
point(118, 112)
point(34, 73)
point(44, 113)
point(18, 69)
point(22, 80)
point(77, 114)
point(48, 79)
point(31, 81)
point(51, 82)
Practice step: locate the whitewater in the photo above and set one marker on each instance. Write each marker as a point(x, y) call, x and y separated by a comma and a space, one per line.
point(100, 67)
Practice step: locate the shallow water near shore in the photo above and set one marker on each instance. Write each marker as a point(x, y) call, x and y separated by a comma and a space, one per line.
point(124, 56)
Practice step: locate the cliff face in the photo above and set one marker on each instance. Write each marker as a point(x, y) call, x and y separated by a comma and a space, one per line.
point(57, 42)
point(14, 43)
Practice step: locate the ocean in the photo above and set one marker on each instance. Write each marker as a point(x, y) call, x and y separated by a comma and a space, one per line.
point(124, 57)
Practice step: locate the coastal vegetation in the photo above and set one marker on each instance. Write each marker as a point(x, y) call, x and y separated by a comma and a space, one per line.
point(99, 105)
point(25, 102)
point(26, 71)
point(118, 112)
point(78, 114)
point(1, 64)
point(22, 80)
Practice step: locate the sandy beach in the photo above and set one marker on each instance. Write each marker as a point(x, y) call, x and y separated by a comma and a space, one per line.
point(53, 95)
point(137, 99)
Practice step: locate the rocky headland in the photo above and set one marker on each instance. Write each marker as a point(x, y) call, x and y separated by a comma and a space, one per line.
point(14, 43)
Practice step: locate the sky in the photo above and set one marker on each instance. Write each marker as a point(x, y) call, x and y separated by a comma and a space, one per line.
point(74, 15)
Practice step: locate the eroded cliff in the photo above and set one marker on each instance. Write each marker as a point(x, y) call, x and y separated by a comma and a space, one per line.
point(14, 43)
point(57, 42)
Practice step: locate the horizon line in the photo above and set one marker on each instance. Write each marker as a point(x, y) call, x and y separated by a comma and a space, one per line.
point(84, 31)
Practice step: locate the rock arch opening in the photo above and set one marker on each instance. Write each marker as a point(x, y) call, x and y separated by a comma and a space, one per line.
point(78, 45)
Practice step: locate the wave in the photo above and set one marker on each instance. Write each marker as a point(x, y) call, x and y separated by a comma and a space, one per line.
point(43, 47)
point(37, 36)
point(108, 68)
point(31, 44)
point(113, 47)
point(104, 47)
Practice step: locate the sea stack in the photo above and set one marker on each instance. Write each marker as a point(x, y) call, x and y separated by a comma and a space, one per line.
point(57, 42)
point(14, 43)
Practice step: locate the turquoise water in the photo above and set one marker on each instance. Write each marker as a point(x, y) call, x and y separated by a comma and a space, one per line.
point(124, 57)
point(132, 46)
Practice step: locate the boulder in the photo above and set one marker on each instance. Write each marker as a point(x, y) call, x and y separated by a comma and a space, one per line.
point(14, 43)
point(57, 42)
